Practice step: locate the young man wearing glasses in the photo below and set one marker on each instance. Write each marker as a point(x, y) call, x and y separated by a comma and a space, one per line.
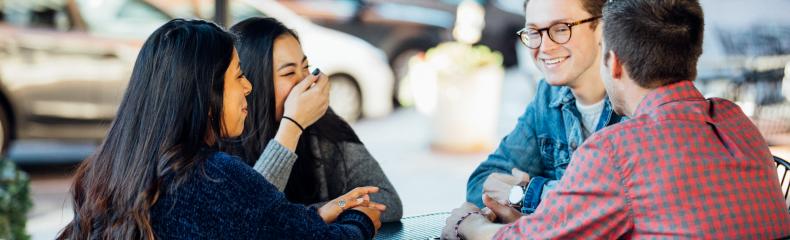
point(682, 167)
point(570, 105)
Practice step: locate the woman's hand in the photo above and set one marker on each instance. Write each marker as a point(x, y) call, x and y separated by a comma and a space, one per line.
point(373, 213)
point(308, 100)
point(359, 197)
point(304, 105)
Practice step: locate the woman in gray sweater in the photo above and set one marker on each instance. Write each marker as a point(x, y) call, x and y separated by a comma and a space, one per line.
point(331, 158)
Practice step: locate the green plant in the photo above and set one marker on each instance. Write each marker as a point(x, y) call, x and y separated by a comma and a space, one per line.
point(14, 201)
point(461, 58)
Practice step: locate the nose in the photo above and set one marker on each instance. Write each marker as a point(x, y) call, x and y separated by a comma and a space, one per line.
point(246, 86)
point(301, 75)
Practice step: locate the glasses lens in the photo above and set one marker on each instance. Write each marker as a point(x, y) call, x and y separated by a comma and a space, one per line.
point(560, 33)
point(531, 38)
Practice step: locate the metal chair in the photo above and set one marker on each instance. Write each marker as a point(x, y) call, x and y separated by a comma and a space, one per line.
point(783, 169)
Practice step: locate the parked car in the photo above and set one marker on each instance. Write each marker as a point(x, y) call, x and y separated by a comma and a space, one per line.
point(404, 28)
point(359, 74)
point(64, 65)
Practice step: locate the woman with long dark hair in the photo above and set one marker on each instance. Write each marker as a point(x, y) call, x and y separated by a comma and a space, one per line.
point(331, 158)
point(161, 172)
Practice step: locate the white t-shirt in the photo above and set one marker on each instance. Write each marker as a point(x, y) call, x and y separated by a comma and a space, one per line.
point(590, 116)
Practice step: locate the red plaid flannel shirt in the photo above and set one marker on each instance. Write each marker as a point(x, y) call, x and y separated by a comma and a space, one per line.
point(683, 167)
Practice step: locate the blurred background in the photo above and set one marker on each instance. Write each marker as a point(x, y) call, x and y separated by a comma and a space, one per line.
point(430, 86)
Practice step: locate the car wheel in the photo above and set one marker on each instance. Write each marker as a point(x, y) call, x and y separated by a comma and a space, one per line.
point(5, 131)
point(345, 97)
point(400, 65)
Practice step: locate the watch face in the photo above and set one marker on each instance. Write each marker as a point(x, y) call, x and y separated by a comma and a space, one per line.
point(516, 195)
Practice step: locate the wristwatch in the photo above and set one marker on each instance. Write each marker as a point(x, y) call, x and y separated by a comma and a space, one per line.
point(516, 196)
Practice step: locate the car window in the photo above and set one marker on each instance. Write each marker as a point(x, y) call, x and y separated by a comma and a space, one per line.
point(35, 14)
point(121, 18)
point(238, 10)
point(136, 11)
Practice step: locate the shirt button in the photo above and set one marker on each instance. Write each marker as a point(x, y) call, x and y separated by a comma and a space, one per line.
point(574, 145)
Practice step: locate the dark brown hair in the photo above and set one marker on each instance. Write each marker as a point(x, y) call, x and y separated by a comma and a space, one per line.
point(159, 133)
point(658, 41)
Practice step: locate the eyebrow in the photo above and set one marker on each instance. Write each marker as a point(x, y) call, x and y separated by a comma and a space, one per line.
point(291, 64)
point(564, 20)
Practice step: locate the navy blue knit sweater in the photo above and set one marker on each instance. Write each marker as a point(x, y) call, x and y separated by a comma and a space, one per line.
point(233, 201)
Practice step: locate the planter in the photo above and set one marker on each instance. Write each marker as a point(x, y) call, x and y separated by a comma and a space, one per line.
point(467, 111)
point(459, 86)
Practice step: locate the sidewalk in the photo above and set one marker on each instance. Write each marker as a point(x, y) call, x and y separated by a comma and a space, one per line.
point(430, 181)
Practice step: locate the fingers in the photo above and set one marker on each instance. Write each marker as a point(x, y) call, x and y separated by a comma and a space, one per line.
point(490, 203)
point(510, 180)
point(306, 83)
point(498, 186)
point(359, 197)
point(495, 207)
point(504, 212)
point(377, 206)
point(364, 201)
point(360, 191)
point(521, 176)
point(320, 84)
point(488, 214)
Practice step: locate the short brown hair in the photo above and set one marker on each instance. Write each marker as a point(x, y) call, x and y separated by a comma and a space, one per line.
point(594, 7)
point(658, 41)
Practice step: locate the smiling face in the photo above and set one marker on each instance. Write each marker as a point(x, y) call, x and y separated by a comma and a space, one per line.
point(234, 104)
point(290, 67)
point(564, 64)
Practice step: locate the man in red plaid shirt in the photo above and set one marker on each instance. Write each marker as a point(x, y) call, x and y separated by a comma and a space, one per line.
point(682, 167)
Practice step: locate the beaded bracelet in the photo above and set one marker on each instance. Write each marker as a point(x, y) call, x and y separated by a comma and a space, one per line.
point(457, 224)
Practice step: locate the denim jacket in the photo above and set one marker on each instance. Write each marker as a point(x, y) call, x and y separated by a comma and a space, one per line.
point(542, 143)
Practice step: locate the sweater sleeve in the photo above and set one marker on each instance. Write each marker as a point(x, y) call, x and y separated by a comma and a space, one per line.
point(279, 218)
point(364, 170)
point(275, 164)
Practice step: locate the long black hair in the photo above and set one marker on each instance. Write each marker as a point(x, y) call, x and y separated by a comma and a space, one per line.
point(172, 105)
point(255, 45)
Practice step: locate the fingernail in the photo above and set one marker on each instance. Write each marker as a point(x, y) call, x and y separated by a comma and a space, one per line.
point(316, 72)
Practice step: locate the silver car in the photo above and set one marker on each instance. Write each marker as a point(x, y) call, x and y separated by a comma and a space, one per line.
point(64, 65)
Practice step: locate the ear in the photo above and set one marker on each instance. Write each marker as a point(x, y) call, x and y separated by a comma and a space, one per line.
point(614, 65)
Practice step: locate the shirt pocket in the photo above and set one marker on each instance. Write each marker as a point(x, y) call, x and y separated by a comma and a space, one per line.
point(555, 156)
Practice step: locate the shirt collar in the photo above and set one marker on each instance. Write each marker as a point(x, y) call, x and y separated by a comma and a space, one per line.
point(564, 96)
point(683, 90)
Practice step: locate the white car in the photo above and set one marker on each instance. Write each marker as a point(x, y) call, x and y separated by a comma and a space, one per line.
point(362, 81)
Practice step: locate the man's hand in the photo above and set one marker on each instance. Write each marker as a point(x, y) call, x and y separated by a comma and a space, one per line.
point(505, 213)
point(448, 232)
point(498, 185)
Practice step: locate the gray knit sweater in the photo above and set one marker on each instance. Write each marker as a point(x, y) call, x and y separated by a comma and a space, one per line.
point(336, 177)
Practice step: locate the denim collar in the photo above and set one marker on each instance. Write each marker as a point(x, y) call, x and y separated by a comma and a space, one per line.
point(564, 96)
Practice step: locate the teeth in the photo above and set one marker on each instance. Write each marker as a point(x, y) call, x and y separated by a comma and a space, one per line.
point(553, 61)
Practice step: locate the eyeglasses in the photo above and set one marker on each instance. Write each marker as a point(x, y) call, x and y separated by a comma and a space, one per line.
point(560, 33)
